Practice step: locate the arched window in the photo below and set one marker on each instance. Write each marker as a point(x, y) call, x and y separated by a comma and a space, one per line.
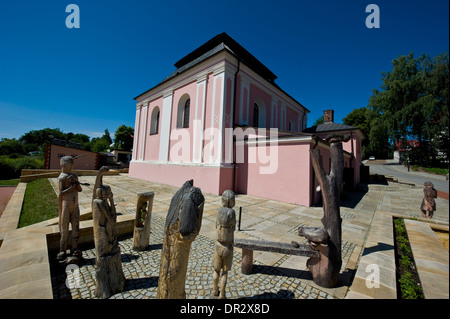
point(255, 115)
point(187, 108)
point(154, 121)
point(291, 126)
point(183, 110)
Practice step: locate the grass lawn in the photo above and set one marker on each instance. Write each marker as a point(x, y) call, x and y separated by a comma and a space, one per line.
point(40, 203)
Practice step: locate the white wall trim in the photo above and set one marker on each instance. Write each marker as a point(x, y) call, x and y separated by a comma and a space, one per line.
point(166, 120)
point(137, 133)
point(199, 125)
point(217, 165)
point(146, 107)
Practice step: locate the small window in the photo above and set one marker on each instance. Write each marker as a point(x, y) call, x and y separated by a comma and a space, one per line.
point(187, 108)
point(154, 121)
point(291, 126)
point(255, 115)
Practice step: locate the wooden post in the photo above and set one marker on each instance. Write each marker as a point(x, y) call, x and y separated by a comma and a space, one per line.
point(141, 235)
point(183, 223)
point(325, 270)
point(247, 261)
point(110, 278)
point(240, 215)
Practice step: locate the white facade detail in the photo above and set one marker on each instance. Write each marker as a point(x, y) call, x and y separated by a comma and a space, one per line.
point(165, 126)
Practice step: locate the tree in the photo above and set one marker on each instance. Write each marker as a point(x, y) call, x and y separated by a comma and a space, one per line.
point(358, 118)
point(413, 104)
point(107, 137)
point(99, 144)
point(320, 120)
point(37, 139)
point(81, 139)
point(369, 122)
point(124, 138)
point(11, 146)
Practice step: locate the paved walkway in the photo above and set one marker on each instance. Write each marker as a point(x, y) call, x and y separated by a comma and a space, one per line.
point(27, 269)
point(394, 169)
point(274, 275)
point(5, 194)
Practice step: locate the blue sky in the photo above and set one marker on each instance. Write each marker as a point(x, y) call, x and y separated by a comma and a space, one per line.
point(84, 80)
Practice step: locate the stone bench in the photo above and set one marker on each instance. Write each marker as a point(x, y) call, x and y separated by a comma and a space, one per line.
point(249, 245)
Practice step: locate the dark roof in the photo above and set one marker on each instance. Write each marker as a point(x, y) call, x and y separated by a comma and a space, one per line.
point(329, 127)
point(224, 42)
point(217, 44)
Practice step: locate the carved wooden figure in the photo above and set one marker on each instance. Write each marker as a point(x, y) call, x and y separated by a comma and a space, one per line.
point(109, 274)
point(327, 240)
point(69, 211)
point(428, 203)
point(182, 226)
point(223, 252)
point(141, 235)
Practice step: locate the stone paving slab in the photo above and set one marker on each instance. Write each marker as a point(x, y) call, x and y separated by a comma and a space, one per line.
point(378, 252)
point(431, 258)
point(10, 216)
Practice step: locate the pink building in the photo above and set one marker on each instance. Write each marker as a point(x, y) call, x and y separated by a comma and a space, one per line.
point(221, 120)
point(86, 160)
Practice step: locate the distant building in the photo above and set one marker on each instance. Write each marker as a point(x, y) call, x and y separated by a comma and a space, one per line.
point(354, 146)
point(86, 160)
point(402, 148)
point(123, 157)
point(211, 121)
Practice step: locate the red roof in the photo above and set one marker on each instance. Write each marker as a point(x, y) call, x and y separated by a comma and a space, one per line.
point(402, 145)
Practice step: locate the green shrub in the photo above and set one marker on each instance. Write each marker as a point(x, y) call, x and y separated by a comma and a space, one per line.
point(11, 167)
point(410, 289)
point(408, 286)
point(9, 182)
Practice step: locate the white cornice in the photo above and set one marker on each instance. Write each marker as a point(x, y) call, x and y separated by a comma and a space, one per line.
point(223, 61)
point(217, 165)
point(201, 78)
point(167, 94)
point(215, 64)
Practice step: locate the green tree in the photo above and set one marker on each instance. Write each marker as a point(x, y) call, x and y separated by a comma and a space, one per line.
point(107, 137)
point(369, 122)
point(124, 138)
point(37, 139)
point(320, 120)
point(78, 138)
point(413, 104)
point(358, 118)
point(11, 146)
point(99, 144)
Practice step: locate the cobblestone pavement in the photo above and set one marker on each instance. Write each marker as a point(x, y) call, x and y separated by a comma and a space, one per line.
point(274, 275)
point(142, 268)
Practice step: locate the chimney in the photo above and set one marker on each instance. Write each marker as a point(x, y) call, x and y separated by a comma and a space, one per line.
point(328, 116)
